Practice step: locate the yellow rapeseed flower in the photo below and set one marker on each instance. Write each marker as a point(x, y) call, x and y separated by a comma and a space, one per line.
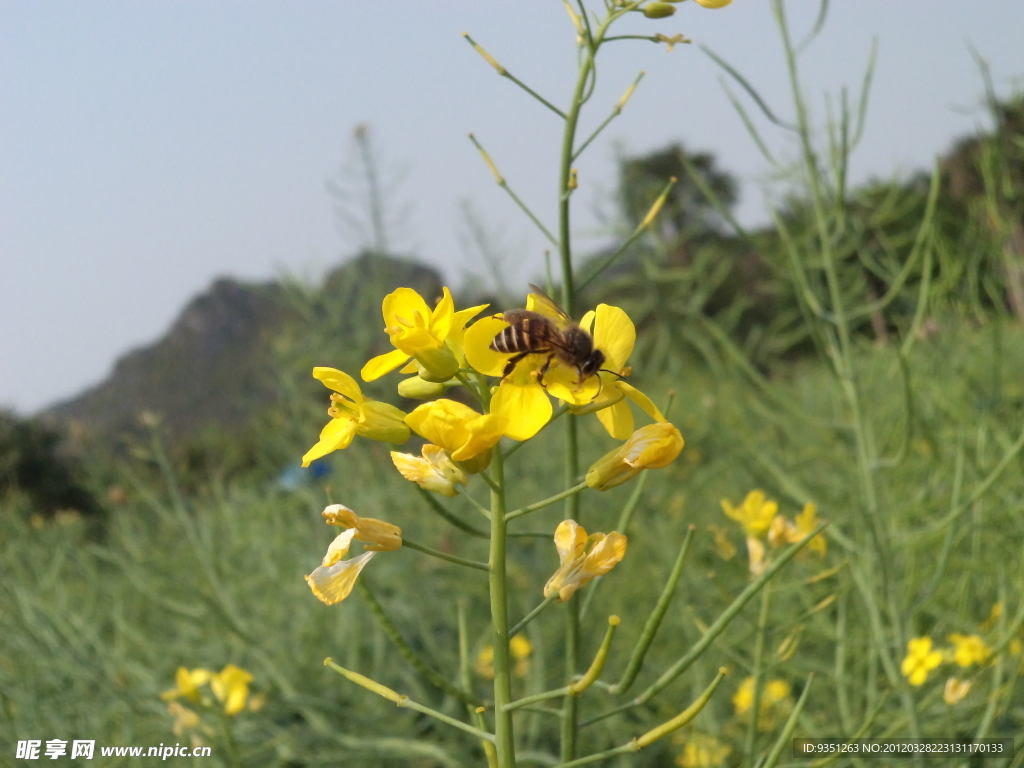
point(774, 700)
point(187, 684)
point(582, 557)
point(333, 580)
point(433, 471)
point(781, 531)
point(650, 447)
point(969, 649)
point(702, 750)
point(381, 536)
point(418, 332)
point(519, 648)
point(754, 514)
point(352, 414)
point(231, 687)
point(920, 660)
point(463, 433)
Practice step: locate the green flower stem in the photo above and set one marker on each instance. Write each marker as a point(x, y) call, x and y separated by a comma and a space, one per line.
point(505, 73)
point(404, 701)
point(532, 615)
point(641, 228)
point(485, 511)
point(466, 681)
point(755, 704)
point(555, 694)
point(559, 411)
point(492, 484)
point(615, 112)
point(636, 660)
point(408, 653)
point(597, 665)
point(444, 556)
point(547, 502)
point(439, 508)
point(499, 619)
point(713, 631)
point(515, 198)
point(785, 738)
point(677, 722)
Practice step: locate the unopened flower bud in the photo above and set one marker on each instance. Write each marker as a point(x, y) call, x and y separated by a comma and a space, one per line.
point(416, 388)
point(650, 447)
point(436, 365)
point(659, 10)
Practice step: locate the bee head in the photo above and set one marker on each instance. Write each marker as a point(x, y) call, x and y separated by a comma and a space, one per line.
point(591, 365)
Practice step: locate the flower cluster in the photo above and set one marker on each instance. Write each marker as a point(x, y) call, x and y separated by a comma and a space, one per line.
point(760, 520)
point(965, 651)
point(775, 701)
point(443, 353)
point(230, 689)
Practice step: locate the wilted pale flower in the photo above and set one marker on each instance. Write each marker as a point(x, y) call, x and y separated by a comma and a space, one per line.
point(969, 649)
point(231, 687)
point(582, 557)
point(434, 471)
point(383, 537)
point(920, 660)
point(421, 333)
point(955, 690)
point(352, 414)
point(333, 580)
point(184, 718)
point(650, 447)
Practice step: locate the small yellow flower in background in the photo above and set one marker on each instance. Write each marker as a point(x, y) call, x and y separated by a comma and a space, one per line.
point(352, 414)
point(702, 750)
point(781, 531)
point(421, 333)
point(774, 699)
point(582, 558)
point(231, 687)
point(383, 537)
point(754, 514)
point(333, 580)
point(650, 447)
point(955, 690)
point(969, 649)
point(1016, 646)
point(463, 433)
point(755, 553)
point(920, 660)
point(188, 683)
point(519, 648)
point(184, 718)
point(434, 471)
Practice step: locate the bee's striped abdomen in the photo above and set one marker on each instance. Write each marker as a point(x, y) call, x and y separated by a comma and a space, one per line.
point(518, 338)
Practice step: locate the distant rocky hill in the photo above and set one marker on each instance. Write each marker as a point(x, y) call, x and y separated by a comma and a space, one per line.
point(216, 366)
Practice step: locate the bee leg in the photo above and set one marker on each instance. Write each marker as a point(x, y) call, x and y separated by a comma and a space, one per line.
point(544, 369)
point(512, 363)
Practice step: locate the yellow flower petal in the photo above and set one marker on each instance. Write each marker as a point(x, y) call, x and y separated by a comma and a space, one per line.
point(404, 306)
point(563, 382)
point(477, 343)
point(615, 335)
point(383, 364)
point(383, 536)
point(638, 397)
point(582, 558)
point(457, 428)
point(340, 382)
point(570, 540)
point(617, 420)
point(650, 447)
point(332, 584)
point(337, 434)
point(434, 471)
point(442, 316)
point(188, 683)
point(526, 407)
point(231, 686)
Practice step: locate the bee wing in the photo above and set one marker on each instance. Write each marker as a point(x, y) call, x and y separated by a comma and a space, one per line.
point(545, 305)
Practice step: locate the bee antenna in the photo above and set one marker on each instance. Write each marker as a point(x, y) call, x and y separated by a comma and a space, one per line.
point(613, 373)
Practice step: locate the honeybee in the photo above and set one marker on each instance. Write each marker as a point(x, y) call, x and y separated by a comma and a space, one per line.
point(532, 333)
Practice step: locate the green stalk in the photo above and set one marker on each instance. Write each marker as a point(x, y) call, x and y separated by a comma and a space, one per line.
point(755, 704)
point(504, 742)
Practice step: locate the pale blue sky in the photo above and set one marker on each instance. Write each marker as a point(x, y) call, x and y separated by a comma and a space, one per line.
point(149, 147)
